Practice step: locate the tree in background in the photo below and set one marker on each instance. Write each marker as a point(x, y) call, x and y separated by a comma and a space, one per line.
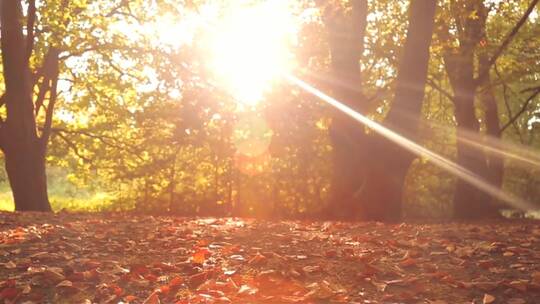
point(468, 69)
point(23, 146)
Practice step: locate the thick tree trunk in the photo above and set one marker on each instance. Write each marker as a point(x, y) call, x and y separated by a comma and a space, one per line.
point(24, 150)
point(25, 168)
point(404, 115)
point(369, 170)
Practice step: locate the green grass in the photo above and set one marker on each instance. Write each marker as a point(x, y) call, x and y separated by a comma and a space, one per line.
point(6, 201)
point(89, 203)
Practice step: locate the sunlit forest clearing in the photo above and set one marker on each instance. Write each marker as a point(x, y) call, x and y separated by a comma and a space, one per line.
point(270, 151)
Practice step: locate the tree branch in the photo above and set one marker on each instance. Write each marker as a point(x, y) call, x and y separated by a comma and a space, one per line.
point(51, 69)
point(43, 88)
point(106, 140)
point(507, 88)
point(73, 147)
point(485, 71)
point(522, 110)
point(30, 21)
point(437, 87)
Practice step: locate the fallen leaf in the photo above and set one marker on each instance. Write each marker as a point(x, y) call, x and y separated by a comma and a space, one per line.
point(247, 290)
point(320, 291)
point(516, 301)
point(311, 269)
point(152, 299)
point(488, 299)
point(536, 277)
point(175, 282)
point(200, 256)
point(258, 259)
point(54, 275)
point(408, 262)
point(197, 279)
point(65, 283)
point(379, 285)
point(519, 285)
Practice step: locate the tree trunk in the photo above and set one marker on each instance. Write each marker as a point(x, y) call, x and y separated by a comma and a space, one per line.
point(383, 192)
point(346, 40)
point(26, 173)
point(369, 170)
point(24, 150)
point(469, 201)
point(495, 163)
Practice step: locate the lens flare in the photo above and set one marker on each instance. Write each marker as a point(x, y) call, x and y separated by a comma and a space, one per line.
point(415, 148)
point(252, 135)
point(250, 48)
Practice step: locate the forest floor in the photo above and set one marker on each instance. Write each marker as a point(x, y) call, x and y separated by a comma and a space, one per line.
point(125, 258)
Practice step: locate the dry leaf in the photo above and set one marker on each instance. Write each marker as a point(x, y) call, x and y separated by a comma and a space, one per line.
point(488, 299)
point(516, 301)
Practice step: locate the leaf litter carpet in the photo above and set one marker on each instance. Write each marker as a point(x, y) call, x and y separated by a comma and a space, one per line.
point(126, 258)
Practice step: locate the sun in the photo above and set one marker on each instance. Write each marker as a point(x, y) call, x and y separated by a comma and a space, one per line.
point(250, 48)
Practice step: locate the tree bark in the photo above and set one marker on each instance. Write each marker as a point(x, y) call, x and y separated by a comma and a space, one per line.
point(24, 150)
point(383, 192)
point(370, 170)
point(346, 40)
point(470, 202)
point(27, 178)
point(495, 162)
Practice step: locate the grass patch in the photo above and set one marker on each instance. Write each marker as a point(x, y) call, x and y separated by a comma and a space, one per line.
point(89, 202)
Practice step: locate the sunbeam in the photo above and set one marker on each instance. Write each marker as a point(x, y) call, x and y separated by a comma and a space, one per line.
point(415, 148)
point(495, 146)
point(523, 156)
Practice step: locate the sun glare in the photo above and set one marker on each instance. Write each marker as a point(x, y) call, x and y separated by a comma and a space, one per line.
point(250, 48)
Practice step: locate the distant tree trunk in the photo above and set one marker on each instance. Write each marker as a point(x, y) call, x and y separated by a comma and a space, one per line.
point(470, 202)
point(230, 186)
point(172, 182)
point(371, 170)
point(23, 148)
point(346, 40)
point(495, 163)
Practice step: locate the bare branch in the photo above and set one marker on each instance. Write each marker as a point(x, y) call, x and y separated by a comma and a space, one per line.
point(524, 108)
point(437, 87)
point(531, 89)
point(51, 69)
point(73, 147)
point(106, 140)
point(507, 88)
point(485, 71)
